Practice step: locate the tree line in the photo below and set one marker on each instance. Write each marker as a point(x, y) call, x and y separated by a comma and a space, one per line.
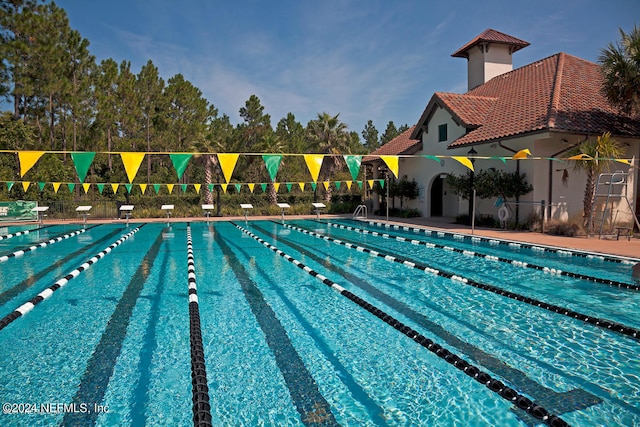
point(62, 99)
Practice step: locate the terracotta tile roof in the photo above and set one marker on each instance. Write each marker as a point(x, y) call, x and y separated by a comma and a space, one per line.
point(401, 144)
point(492, 36)
point(558, 93)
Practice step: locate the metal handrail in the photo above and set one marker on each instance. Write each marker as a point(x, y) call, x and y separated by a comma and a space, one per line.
point(360, 209)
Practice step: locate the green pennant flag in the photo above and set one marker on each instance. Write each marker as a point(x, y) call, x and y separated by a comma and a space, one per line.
point(128, 187)
point(184, 188)
point(289, 184)
point(156, 188)
point(503, 159)
point(313, 186)
point(9, 185)
point(180, 163)
point(381, 182)
point(82, 162)
point(264, 187)
point(338, 183)
point(100, 187)
point(71, 186)
point(434, 158)
point(41, 185)
point(359, 184)
point(210, 187)
point(272, 163)
point(238, 186)
point(353, 162)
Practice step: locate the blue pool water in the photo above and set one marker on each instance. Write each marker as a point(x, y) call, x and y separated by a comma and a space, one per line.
point(112, 345)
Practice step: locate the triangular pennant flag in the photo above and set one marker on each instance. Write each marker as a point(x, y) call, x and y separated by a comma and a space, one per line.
point(41, 185)
point(156, 188)
point(353, 162)
point(272, 163)
point(348, 184)
point(128, 187)
point(27, 159)
point(170, 188)
point(114, 188)
point(370, 182)
point(132, 162)
point(434, 158)
point(522, 154)
point(180, 162)
point(625, 161)
point(210, 187)
point(224, 188)
point(25, 186)
point(314, 163)
point(197, 187)
point(326, 185)
point(502, 159)
point(338, 183)
point(184, 188)
point(381, 182)
point(464, 161)
point(9, 185)
point(100, 187)
point(143, 188)
point(580, 157)
point(56, 187)
point(227, 164)
point(251, 187)
point(238, 187)
point(392, 164)
point(289, 184)
point(86, 187)
point(313, 186)
point(359, 184)
point(82, 162)
point(264, 187)
point(71, 186)
point(301, 185)
point(276, 186)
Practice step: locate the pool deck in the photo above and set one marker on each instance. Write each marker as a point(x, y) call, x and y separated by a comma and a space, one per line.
point(605, 245)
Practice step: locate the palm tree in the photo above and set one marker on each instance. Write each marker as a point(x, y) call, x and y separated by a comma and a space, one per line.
point(597, 157)
point(328, 135)
point(621, 71)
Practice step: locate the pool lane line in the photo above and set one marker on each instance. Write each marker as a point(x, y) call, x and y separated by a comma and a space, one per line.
point(22, 233)
point(474, 372)
point(602, 323)
point(101, 365)
point(359, 394)
point(28, 306)
point(513, 244)
point(305, 395)
point(43, 244)
point(200, 388)
point(515, 263)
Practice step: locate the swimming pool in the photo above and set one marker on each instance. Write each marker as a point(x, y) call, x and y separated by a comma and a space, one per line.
point(311, 323)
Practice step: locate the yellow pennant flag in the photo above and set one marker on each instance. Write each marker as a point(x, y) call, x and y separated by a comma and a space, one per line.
point(227, 164)
point(370, 182)
point(251, 187)
point(25, 186)
point(27, 159)
point(224, 188)
point(170, 188)
point(522, 154)
point(392, 164)
point(132, 162)
point(277, 186)
point(465, 161)
point(86, 186)
point(143, 188)
point(301, 184)
point(56, 186)
point(581, 157)
point(314, 163)
point(349, 184)
point(326, 185)
point(625, 161)
point(114, 187)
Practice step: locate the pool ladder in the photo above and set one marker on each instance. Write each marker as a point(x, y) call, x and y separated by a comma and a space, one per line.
point(360, 212)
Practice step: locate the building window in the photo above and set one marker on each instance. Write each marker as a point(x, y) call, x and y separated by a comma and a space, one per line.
point(442, 132)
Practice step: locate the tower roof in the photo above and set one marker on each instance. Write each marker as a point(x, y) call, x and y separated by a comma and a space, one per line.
point(490, 36)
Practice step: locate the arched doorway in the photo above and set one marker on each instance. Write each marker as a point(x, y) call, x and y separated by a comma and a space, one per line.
point(437, 195)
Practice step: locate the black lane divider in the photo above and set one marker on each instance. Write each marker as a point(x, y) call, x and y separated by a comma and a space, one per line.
point(28, 306)
point(21, 233)
point(603, 257)
point(43, 244)
point(30, 281)
point(101, 365)
point(200, 388)
point(602, 323)
point(474, 372)
point(559, 402)
point(313, 408)
point(516, 263)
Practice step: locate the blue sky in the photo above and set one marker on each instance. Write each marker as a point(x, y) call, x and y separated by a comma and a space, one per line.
point(379, 60)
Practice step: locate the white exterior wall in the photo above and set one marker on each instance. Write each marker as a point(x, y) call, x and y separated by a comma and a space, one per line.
point(486, 63)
